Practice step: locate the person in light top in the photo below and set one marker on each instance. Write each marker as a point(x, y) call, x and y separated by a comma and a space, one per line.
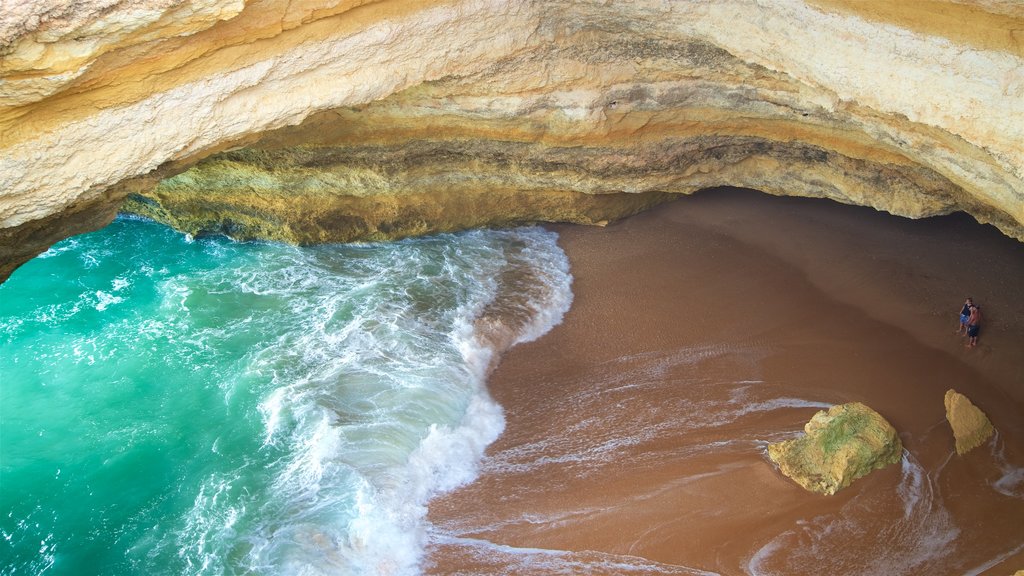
point(965, 315)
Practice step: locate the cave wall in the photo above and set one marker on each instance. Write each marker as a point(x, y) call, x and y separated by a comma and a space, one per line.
point(313, 121)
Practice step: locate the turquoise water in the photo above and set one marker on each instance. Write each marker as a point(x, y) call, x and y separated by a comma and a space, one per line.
point(179, 406)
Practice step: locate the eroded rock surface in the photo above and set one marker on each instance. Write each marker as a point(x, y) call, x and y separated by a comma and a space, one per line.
point(971, 428)
point(386, 114)
point(840, 445)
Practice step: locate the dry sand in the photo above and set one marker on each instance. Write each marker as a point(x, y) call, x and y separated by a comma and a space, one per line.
point(706, 328)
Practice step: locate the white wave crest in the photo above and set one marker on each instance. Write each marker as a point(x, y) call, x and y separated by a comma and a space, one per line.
point(377, 399)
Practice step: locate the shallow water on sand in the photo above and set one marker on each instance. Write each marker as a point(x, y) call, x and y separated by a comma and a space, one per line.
point(172, 406)
point(700, 332)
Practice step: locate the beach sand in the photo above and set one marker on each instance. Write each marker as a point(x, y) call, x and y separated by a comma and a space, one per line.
point(705, 329)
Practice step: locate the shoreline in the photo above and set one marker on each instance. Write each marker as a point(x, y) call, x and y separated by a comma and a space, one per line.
point(707, 327)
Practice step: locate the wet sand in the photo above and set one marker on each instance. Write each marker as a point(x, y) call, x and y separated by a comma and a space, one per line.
point(706, 328)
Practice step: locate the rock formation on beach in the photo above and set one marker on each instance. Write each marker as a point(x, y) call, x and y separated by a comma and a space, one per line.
point(971, 428)
point(338, 119)
point(840, 445)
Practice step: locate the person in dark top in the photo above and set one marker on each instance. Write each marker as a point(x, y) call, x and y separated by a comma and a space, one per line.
point(965, 314)
point(973, 324)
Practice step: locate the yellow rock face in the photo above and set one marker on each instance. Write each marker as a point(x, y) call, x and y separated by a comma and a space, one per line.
point(47, 44)
point(439, 103)
point(971, 428)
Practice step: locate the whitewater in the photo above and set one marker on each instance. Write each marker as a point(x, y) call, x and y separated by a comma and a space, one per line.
point(174, 405)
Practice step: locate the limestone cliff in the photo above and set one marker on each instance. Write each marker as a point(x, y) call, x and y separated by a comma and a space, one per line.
point(313, 120)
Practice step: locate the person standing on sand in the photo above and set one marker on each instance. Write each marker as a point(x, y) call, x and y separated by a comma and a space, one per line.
point(965, 314)
point(973, 324)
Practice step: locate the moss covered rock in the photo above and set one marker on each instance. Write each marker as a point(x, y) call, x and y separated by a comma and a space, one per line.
point(840, 445)
point(314, 195)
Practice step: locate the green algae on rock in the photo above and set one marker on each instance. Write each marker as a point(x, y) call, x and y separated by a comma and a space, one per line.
point(971, 428)
point(312, 195)
point(841, 444)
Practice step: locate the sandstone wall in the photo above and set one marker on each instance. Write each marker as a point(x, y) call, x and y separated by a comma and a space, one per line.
point(310, 119)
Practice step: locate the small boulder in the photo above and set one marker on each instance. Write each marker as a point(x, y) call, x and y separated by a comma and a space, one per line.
point(971, 428)
point(842, 444)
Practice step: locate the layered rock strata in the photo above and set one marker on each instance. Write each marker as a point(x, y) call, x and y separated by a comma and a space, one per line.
point(383, 116)
point(844, 443)
point(971, 428)
point(321, 194)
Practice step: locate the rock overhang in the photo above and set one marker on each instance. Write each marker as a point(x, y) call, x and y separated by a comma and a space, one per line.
point(334, 102)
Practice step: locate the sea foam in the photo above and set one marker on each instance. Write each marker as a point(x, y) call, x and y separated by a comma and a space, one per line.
point(379, 400)
point(275, 410)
